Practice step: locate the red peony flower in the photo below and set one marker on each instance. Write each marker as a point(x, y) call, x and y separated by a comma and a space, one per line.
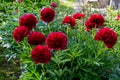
point(118, 17)
point(28, 20)
point(20, 32)
point(69, 20)
point(36, 38)
point(98, 19)
point(41, 54)
point(107, 35)
point(47, 15)
point(53, 5)
point(56, 40)
point(78, 15)
point(95, 21)
point(89, 25)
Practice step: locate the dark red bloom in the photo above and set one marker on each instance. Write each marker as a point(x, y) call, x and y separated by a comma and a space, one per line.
point(78, 15)
point(28, 20)
point(47, 15)
point(118, 17)
point(36, 38)
point(53, 5)
point(19, 0)
point(69, 20)
point(41, 54)
point(89, 25)
point(107, 35)
point(98, 19)
point(20, 32)
point(56, 40)
point(95, 21)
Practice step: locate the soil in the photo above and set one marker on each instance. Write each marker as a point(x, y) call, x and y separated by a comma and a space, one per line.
point(9, 70)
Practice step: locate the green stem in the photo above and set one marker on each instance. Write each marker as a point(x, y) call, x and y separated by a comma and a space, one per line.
point(72, 62)
point(58, 66)
point(48, 27)
point(35, 1)
point(100, 51)
point(43, 69)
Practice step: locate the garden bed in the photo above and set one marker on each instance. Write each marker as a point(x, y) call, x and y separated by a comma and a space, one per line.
point(52, 42)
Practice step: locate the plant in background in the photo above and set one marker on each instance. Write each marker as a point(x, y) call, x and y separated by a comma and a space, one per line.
point(66, 53)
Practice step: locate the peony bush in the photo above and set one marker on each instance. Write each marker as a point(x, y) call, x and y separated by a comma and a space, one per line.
point(52, 45)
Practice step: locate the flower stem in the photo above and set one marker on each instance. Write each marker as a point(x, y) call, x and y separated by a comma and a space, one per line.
point(48, 27)
point(43, 69)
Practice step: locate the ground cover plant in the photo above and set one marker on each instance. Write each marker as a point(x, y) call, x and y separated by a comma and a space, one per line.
point(54, 45)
